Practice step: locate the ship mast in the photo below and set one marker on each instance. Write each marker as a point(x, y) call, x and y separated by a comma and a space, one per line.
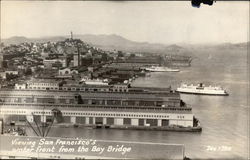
point(71, 35)
point(42, 130)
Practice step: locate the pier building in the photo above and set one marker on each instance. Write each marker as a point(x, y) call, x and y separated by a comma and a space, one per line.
point(109, 106)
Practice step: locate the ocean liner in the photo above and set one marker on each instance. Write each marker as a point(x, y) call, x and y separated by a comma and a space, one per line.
point(95, 81)
point(161, 69)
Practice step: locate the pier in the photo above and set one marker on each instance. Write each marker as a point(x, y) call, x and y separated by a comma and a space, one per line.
point(134, 108)
point(95, 114)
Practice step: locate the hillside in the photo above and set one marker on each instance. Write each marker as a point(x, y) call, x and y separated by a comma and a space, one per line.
point(116, 42)
point(106, 42)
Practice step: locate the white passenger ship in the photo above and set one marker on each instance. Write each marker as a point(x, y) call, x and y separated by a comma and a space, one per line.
point(202, 89)
point(95, 81)
point(162, 69)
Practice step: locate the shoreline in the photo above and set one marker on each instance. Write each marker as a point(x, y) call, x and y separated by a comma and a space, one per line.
point(124, 127)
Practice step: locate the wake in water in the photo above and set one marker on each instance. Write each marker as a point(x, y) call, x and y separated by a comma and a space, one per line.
point(245, 106)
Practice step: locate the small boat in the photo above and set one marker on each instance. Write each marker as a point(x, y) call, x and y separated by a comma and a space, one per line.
point(125, 81)
point(16, 132)
point(202, 89)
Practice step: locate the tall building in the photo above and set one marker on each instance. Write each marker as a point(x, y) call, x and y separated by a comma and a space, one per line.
point(1, 55)
point(76, 59)
point(1, 59)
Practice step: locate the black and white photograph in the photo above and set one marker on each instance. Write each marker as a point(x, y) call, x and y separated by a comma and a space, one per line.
point(124, 80)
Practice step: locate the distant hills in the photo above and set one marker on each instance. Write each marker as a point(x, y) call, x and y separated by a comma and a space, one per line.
point(105, 42)
point(21, 39)
point(111, 42)
point(116, 42)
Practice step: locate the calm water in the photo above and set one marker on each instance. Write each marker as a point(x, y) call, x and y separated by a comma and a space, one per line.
point(224, 119)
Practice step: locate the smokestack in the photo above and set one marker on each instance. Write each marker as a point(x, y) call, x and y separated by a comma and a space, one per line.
point(71, 35)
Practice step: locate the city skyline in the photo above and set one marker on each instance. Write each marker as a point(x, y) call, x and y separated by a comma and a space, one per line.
point(153, 22)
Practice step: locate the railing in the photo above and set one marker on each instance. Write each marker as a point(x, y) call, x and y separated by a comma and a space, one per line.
point(174, 94)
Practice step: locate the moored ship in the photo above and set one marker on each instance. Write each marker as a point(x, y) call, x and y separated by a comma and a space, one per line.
point(95, 81)
point(178, 60)
point(161, 69)
point(202, 89)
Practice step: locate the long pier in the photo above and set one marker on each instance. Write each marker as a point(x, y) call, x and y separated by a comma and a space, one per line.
point(105, 115)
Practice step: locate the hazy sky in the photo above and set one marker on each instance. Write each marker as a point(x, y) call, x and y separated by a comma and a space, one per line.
point(155, 22)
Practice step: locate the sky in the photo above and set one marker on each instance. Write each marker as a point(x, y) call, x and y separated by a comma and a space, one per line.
point(143, 21)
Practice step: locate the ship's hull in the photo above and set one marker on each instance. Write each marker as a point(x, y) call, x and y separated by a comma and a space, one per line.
point(202, 92)
point(176, 129)
point(96, 83)
point(162, 70)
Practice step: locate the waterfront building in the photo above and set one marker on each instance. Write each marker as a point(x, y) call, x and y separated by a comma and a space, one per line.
point(144, 60)
point(110, 106)
point(49, 63)
point(67, 71)
point(20, 86)
point(1, 59)
point(11, 72)
point(76, 59)
point(178, 60)
point(42, 84)
point(2, 75)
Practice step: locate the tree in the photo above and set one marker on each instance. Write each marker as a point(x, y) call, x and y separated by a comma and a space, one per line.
point(87, 61)
point(10, 76)
point(132, 55)
point(104, 57)
point(28, 72)
point(120, 54)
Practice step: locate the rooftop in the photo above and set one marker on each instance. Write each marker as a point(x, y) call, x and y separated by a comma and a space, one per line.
point(81, 107)
point(42, 81)
point(95, 95)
